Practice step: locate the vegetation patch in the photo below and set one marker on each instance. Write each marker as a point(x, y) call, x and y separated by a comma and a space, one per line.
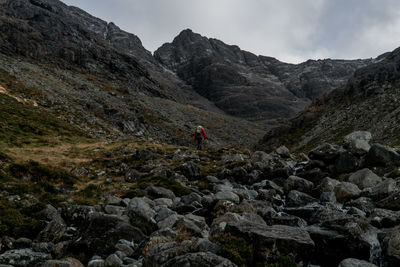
point(39, 173)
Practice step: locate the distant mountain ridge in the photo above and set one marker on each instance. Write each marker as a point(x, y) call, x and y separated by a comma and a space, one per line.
point(253, 87)
point(369, 101)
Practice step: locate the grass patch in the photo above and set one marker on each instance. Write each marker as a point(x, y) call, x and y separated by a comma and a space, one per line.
point(39, 173)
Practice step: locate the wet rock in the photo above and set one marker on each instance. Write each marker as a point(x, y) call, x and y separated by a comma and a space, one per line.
point(364, 178)
point(23, 257)
point(299, 184)
point(199, 259)
point(346, 191)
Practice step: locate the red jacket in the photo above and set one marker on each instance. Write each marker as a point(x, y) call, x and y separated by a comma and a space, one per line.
point(203, 133)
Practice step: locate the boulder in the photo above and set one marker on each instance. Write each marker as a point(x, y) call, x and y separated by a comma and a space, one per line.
point(327, 185)
point(363, 203)
point(350, 262)
point(346, 162)
point(68, 262)
point(275, 239)
point(391, 247)
point(227, 195)
point(140, 210)
point(358, 142)
point(380, 155)
point(325, 152)
point(160, 192)
point(299, 184)
point(296, 199)
point(392, 202)
point(199, 259)
point(381, 190)
point(23, 257)
point(113, 260)
point(190, 170)
point(346, 191)
point(364, 178)
point(101, 232)
point(382, 218)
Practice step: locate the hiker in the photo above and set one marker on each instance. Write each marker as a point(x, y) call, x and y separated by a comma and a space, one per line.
point(199, 134)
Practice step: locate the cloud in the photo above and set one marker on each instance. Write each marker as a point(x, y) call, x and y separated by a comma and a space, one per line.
point(290, 30)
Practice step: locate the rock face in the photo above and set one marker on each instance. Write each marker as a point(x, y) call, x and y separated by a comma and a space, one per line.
point(249, 86)
point(367, 102)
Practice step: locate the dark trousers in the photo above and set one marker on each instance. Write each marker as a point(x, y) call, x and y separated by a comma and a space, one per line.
point(199, 142)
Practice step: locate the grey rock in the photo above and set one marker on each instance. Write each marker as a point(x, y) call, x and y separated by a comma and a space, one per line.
point(363, 203)
point(327, 185)
point(299, 184)
point(327, 197)
point(160, 192)
point(113, 260)
point(101, 232)
point(139, 208)
point(346, 191)
point(23, 258)
point(381, 190)
point(325, 152)
point(355, 263)
point(296, 199)
point(380, 155)
point(190, 169)
point(365, 178)
point(358, 141)
point(96, 263)
point(226, 195)
point(199, 259)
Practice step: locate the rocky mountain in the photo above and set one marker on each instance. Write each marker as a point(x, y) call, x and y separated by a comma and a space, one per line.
point(96, 76)
point(256, 88)
point(369, 101)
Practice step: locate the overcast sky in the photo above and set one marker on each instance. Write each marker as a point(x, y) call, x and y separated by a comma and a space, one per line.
point(290, 30)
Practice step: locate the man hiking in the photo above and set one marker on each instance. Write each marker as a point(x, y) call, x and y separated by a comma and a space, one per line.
point(199, 134)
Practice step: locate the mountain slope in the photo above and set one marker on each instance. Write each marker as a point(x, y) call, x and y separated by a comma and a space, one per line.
point(257, 88)
point(369, 101)
point(96, 76)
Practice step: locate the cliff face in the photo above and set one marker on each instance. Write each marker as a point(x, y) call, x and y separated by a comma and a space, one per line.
point(245, 85)
point(369, 101)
